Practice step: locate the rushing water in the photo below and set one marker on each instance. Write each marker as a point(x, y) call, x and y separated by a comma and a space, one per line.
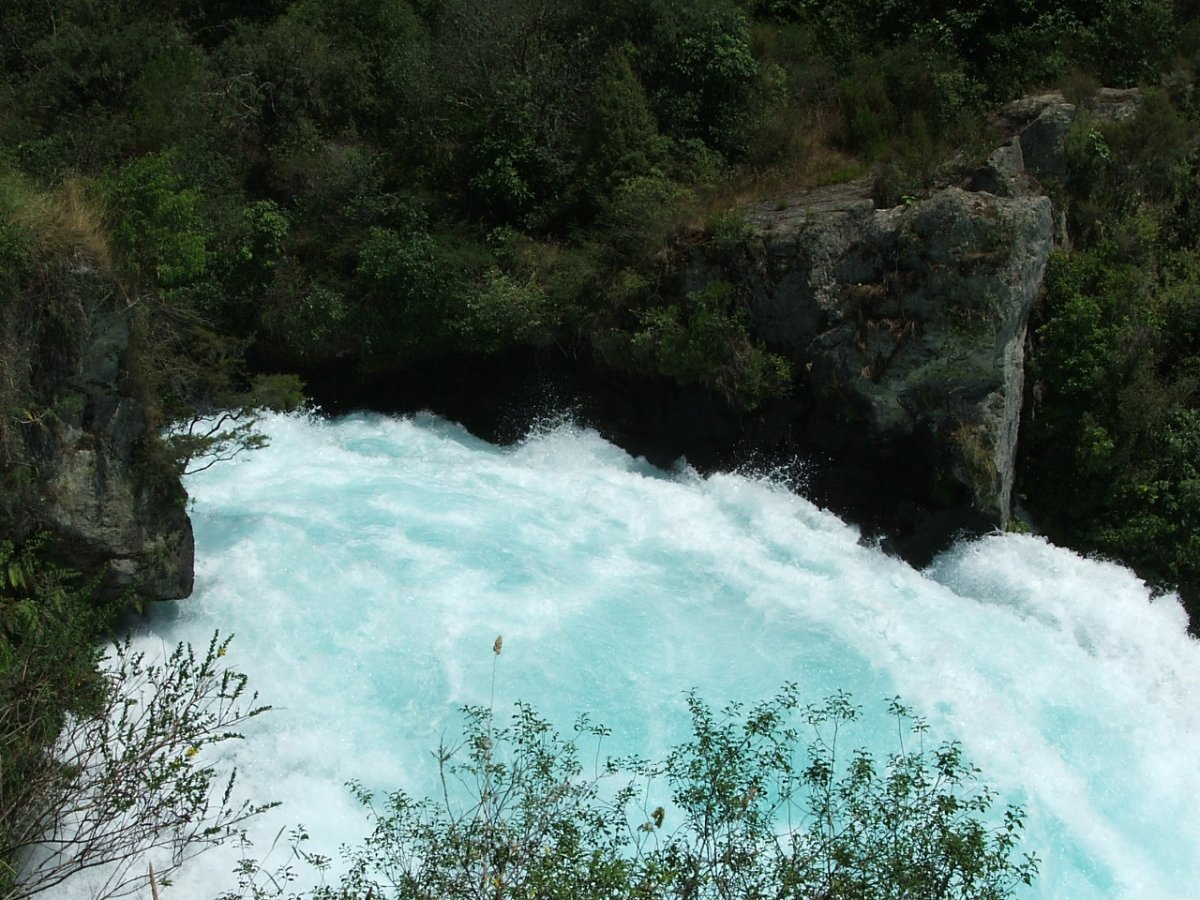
point(366, 565)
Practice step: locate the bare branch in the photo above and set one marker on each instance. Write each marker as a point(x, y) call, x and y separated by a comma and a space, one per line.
point(133, 777)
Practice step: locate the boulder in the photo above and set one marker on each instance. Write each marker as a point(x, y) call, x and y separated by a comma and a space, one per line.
point(908, 326)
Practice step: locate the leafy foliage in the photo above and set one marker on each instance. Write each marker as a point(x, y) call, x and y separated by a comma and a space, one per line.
point(128, 777)
point(701, 73)
point(733, 811)
point(158, 232)
point(206, 437)
point(706, 340)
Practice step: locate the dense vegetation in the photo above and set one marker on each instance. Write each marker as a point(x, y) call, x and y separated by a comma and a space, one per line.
point(374, 185)
point(1113, 442)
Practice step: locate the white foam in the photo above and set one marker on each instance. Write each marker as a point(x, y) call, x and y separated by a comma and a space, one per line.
point(367, 565)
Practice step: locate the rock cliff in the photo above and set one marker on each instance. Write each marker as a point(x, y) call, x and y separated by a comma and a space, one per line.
point(907, 326)
point(79, 459)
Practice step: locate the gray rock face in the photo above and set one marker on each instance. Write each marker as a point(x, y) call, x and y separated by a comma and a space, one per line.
point(110, 504)
point(909, 320)
point(1042, 139)
point(908, 327)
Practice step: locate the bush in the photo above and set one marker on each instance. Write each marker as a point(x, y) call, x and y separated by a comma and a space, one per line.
point(622, 139)
point(1120, 170)
point(157, 227)
point(701, 73)
point(706, 340)
point(640, 216)
point(103, 761)
point(1117, 381)
point(506, 310)
point(127, 777)
point(407, 289)
point(733, 811)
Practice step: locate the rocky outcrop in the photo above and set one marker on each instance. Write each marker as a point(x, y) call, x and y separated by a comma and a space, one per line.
point(907, 325)
point(79, 460)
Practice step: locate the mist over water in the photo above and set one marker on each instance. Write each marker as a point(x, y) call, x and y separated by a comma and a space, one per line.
point(366, 565)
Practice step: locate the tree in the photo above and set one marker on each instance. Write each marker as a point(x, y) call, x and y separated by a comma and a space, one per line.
point(622, 139)
point(157, 228)
point(700, 72)
point(212, 434)
point(516, 76)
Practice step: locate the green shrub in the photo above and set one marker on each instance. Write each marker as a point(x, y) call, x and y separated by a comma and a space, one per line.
point(641, 215)
point(506, 310)
point(702, 341)
point(700, 72)
point(706, 340)
point(759, 802)
point(408, 292)
point(622, 139)
point(1117, 378)
point(156, 225)
point(248, 256)
point(905, 102)
point(1125, 170)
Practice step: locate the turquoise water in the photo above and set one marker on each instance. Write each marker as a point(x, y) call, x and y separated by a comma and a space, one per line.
point(366, 566)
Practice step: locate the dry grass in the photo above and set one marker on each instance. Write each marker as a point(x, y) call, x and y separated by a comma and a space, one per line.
point(63, 223)
point(811, 159)
point(80, 220)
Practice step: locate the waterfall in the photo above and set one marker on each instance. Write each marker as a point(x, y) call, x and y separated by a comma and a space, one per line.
point(366, 564)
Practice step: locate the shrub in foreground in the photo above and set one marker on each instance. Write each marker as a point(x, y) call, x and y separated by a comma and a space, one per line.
point(105, 763)
point(738, 810)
